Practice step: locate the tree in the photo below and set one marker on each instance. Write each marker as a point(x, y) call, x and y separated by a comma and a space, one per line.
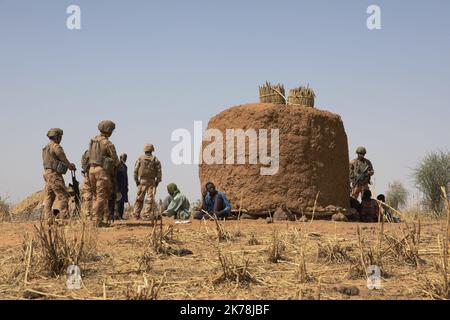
point(396, 195)
point(432, 173)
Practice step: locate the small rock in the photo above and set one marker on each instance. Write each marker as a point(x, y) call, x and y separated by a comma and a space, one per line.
point(31, 295)
point(248, 216)
point(348, 290)
point(269, 220)
point(280, 215)
point(330, 208)
point(339, 217)
point(303, 219)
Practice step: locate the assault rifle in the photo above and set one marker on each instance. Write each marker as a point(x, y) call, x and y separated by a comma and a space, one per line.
point(76, 192)
point(361, 177)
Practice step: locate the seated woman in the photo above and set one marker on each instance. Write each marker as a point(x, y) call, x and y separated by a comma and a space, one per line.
point(214, 202)
point(369, 208)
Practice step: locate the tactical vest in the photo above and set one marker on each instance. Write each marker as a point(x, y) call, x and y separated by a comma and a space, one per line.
point(98, 155)
point(147, 167)
point(51, 162)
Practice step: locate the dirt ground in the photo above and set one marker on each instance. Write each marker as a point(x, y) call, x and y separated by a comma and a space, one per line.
point(115, 272)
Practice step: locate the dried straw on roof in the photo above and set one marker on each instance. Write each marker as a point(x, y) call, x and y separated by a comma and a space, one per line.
point(269, 93)
point(302, 96)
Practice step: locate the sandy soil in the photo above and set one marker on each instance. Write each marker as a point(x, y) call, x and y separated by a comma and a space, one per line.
point(116, 269)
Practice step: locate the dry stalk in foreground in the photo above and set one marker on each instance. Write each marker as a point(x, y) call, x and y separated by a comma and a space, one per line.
point(276, 249)
point(333, 252)
point(301, 272)
point(253, 241)
point(234, 272)
point(406, 248)
point(368, 255)
point(58, 247)
point(145, 291)
point(439, 288)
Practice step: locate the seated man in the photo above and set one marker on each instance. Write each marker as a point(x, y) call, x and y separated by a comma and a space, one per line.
point(215, 203)
point(355, 209)
point(176, 204)
point(369, 208)
point(386, 210)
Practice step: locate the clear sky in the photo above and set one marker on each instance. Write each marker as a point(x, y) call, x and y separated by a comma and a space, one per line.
point(155, 66)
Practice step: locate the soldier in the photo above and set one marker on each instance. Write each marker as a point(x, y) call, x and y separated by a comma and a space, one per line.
point(361, 170)
point(55, 166)
point(147, 175)
point(122, 185)
point(103, 162)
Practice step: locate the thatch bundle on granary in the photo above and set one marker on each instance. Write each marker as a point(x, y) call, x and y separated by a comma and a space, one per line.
point(313, 159)
point(269, 93)
point(302, 96)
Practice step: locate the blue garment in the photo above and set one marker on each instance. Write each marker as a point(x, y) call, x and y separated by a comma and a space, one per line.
point(210, 202)
point(122, 181)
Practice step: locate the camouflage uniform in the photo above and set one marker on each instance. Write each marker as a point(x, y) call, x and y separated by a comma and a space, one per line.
point(55, 188)
point(86, 196)
point(147, 174)
point(357, 167)
point(103, 160)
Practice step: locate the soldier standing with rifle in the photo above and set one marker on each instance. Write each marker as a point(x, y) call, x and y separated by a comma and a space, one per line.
point(147, 175)
point(361, 170)
point(55, 165)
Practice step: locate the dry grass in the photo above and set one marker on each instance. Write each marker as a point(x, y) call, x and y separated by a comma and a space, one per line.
point(233, 271)
point(405, 248)
point(334, 252)
point(253, 241)
point(240, 269)
point(5, 210)
point(276, 248)
point(60, 246)
point(148, 290)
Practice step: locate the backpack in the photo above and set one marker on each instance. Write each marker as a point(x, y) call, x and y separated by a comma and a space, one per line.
point(147, 167)
point(95, 154)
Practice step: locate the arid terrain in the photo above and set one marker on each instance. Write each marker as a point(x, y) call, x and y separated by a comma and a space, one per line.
point(247, 259)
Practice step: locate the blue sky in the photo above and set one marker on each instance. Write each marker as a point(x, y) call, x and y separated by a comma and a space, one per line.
point(155, 66)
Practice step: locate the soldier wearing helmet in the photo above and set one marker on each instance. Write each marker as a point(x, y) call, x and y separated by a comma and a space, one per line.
point(361, 170)
point(55, 166)
point(102, 165)
point(147, 175)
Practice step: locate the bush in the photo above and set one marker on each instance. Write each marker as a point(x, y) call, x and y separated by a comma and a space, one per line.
point(430, 175)
point(396, 195)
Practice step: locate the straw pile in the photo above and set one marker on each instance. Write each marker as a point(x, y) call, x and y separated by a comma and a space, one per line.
point(302, 96)
point(29, 204)
point(272, 94)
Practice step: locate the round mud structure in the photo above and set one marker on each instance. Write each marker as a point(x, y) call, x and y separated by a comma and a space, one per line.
point(313, 159)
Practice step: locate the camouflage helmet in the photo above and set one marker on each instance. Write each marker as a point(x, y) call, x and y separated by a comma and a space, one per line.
point(361, 150)
point(149, 148)
point(106, 126)
point(54, 132)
